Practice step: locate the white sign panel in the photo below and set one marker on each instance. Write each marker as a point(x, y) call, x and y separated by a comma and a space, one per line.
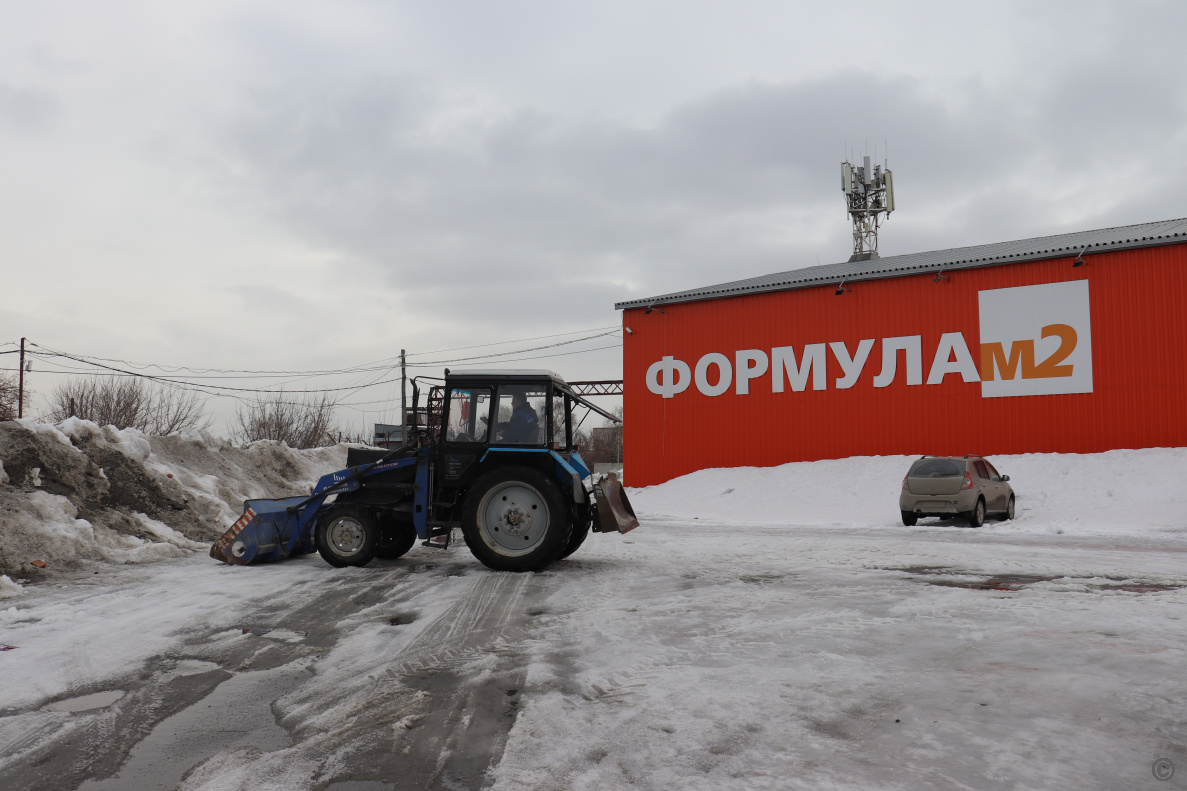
point(1036, 340)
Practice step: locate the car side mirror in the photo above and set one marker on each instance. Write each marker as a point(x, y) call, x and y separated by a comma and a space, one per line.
point(1005, 477)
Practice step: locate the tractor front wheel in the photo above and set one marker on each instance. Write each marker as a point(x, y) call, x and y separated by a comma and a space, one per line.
point(347, 535)
point(515, 520)
point(577, 537)
point(395, 540)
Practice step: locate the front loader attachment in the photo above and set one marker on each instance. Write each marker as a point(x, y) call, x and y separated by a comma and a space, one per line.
point(268, 530)
point(614, 509)
point(276, 529)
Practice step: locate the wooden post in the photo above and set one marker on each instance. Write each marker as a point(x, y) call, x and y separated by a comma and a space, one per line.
point(20, 394)
point(403, 401)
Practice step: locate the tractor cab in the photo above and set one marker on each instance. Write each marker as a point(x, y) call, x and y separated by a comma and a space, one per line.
point(486, 413)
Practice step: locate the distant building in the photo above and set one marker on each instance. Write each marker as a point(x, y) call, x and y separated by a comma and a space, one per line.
point(1075, 343)
point(387, 436)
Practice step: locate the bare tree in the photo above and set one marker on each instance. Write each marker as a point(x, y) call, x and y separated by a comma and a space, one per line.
point(304, 422)
point(356, 435)
point(128, 403)
point(9, 394)
point(605, 444)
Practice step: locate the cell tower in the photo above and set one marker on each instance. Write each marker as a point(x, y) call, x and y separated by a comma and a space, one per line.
point(869, 193)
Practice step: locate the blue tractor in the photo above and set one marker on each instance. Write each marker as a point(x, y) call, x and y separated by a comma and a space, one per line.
point(494, 457)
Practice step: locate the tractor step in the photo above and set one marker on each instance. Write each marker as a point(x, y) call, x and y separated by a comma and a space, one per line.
point(440, 538)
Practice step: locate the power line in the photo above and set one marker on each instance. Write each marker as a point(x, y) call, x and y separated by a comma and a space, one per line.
point(163, 380)
point(520, 340)
point(188, 380)
point(205, 381)
point(514, 351)
point(381, 364)
point(536, 357)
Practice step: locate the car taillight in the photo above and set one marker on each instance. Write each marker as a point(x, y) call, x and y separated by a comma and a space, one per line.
point(905, 487)
point(968, 482)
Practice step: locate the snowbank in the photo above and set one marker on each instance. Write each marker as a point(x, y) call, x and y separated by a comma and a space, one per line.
point(77, 492)
point(1127, 491)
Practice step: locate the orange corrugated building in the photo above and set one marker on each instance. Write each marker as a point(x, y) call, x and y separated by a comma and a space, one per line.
point(1074, 343)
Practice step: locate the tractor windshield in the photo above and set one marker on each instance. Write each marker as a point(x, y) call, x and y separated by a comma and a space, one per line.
point(469, 414)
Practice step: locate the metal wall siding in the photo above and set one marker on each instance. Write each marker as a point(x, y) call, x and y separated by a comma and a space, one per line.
point(1138, 302)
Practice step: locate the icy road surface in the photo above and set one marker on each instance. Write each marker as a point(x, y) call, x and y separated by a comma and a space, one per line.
point(693, 653)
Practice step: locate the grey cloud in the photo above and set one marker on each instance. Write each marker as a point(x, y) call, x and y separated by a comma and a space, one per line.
point(450, 199)
point(27, 109)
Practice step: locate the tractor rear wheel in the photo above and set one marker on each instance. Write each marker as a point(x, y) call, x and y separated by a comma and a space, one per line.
point(515, 520)
point(347, 535)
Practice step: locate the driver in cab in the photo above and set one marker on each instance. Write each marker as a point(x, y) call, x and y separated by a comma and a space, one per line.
point(524, 426)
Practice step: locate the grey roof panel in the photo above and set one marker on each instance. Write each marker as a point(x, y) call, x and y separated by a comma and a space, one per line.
point(1127, 237)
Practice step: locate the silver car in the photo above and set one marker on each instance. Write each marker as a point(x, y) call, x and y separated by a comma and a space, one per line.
point(965, 486)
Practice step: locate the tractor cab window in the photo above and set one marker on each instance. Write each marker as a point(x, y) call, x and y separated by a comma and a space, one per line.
point(469, 414)
point(560, 421)
point(522, 415)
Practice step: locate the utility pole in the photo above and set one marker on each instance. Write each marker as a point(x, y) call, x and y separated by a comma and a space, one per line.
point(20, 393)
point(403, 401)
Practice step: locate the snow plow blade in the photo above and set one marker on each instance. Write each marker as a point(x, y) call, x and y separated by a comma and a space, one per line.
point(268, 530)
point(614, 509)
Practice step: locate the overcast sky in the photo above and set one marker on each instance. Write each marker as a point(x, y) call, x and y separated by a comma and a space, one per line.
point(294, 185)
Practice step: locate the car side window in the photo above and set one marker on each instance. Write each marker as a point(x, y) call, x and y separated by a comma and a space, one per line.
point(993, 473)
point(981, 471)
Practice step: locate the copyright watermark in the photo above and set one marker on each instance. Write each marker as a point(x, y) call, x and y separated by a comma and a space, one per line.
point(1163, 769)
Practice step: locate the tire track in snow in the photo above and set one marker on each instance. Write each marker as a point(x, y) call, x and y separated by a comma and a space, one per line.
point(622, 684)
point(98, 732)
point(440, 724)
point(14, 751)
point(476, 624)
point(434, 711)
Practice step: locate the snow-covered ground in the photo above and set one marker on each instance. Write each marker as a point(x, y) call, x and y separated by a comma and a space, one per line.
point(1122, 492)
point(763, 628)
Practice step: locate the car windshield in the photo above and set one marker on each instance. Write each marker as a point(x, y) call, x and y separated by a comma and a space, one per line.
point(936, 468)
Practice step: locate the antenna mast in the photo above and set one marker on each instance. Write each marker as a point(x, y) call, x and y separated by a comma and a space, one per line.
point(869, 194)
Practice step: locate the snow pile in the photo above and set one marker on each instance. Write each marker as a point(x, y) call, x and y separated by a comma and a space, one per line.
point(78, 492)
point(1127, 491)
point(8, 588)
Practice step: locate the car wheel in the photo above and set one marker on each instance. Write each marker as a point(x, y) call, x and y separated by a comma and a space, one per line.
point(515, 520)
point(909, 518)
point(347, 536)
point(977, 515)
point(1009, 514)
